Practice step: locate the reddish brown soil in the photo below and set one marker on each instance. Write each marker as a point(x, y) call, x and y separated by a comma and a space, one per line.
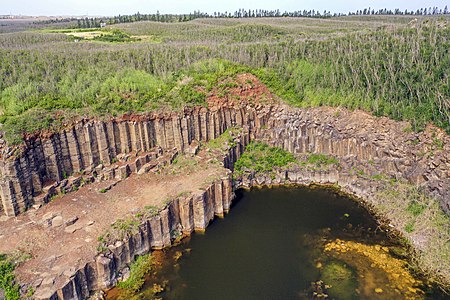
point(247, 89)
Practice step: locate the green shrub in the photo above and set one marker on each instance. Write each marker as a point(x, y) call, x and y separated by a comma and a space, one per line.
point(7, 279)
point(320, 160)
point(226, 139)
point(260, 157)
point(115, 36)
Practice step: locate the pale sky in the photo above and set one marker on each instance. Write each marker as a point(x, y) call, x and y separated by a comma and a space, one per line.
point(116, 7)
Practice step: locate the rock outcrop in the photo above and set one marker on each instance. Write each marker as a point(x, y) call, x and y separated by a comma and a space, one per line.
point(181, 216)
point(373, 145)
point(420, 158)
point(45, 161)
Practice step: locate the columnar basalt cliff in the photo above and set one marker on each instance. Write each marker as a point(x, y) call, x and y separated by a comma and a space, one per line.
point(373, 143)
point(181, 216)
point(27, 176)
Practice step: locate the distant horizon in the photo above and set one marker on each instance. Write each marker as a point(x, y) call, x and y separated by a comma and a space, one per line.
point(74, 8)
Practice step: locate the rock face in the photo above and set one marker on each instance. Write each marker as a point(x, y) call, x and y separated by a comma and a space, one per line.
point(356, 138)
point(31, 177)
point(181, 216)
point(43, 162)
point(369, 142)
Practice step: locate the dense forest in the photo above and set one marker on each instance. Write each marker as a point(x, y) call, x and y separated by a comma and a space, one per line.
point(396, 66)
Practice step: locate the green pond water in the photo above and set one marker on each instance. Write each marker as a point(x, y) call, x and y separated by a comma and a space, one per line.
point(271, 246)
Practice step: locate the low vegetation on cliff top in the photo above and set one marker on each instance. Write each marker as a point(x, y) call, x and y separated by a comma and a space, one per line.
point(126, 91)
point(226, 140)
point(400, 70)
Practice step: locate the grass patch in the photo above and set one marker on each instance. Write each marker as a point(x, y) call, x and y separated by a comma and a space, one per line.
point(183, 164)
point(415, 208)
point(409, 227)
point(151, 211)
point(379, 176)
point(260, 157)
point(138, 270)
point(115, 36)
point(119, 230)
point(125, 227)
point(102, 243)
point(438, 143)
point(321, 160)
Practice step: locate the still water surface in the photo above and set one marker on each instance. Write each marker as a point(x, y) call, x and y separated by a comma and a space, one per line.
point(271, 246)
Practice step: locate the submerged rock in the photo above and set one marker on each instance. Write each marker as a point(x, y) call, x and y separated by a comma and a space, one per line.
point(341, 280)
point(372, 263)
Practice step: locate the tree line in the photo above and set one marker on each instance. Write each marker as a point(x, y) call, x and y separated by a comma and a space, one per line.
point(242, 13)
point(430, 11)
